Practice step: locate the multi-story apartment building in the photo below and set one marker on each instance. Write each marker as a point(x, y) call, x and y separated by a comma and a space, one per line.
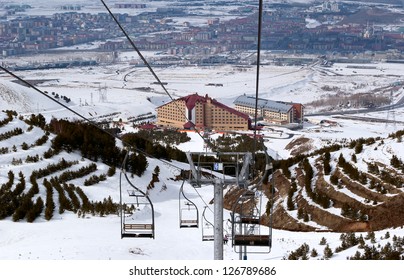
point(201, 112)
point(271, 111)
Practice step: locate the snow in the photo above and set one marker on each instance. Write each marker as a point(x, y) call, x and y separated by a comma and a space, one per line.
point(67, 237)
point(312, 23)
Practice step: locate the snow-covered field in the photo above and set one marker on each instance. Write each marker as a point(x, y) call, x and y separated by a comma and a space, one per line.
point(68, 237)
point(125, 91)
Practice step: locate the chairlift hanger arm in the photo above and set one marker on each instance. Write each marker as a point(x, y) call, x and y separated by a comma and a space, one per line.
point(194, 221)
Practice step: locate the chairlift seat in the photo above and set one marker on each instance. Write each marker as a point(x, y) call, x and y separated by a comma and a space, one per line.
point(250, 220)
point(134, 194)
point(138, 231)
point(188, 223)
point(251, 240)
point(249, 194)
point(208, 238)
point(138, 226)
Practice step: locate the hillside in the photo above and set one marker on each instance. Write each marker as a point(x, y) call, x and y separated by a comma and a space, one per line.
point(352, 187)
point(97, 236)
point(349, 188)
point(332, 200)
point(35, 176)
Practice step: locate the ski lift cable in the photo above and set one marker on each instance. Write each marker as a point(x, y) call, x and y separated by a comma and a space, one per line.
point(28, 84)
point(44, 94)
point(268, 167)
point(206, 140)
point(151, 70)
point(257, 80)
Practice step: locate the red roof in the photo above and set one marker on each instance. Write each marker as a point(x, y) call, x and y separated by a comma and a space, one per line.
point(191, 100)
point(148, 126)
point(189, 125)
point(231, 110)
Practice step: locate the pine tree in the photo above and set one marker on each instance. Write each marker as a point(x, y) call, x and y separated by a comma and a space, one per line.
point(327, 166)
point(306, 217)
point(341, 160)
point(35, 211)
point(361, 242)
point(300, 213)
point(359, 148)
point(313, 253)
point(357, 256)
point(371, 236)
point(23, 208)
point(156, 174)
point(334, 179)
point(328, 252)
point(50, 205)
point(290, 203)
point(395, 162)
point(111, 171)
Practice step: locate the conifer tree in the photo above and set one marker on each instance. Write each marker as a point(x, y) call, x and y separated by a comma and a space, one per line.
point(328, 252)
point(313, 253)
point(327, 166)
point(341, 160)
point(23, 208)
point(111, 171)
point(50, 205)
point(290, 203)
point(334, 179)
point(300, 213)
point(359, 148)
point(306, 217)
point(35, 211)
point(395, 162)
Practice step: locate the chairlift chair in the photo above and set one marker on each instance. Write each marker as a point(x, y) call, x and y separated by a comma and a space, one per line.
point(188, 212)
point(135, 197)
point(246, 223)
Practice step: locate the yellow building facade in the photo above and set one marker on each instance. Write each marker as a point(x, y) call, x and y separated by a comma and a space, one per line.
point(201, 112)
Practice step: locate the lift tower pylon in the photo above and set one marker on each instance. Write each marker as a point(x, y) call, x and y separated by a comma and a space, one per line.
point(219, 169)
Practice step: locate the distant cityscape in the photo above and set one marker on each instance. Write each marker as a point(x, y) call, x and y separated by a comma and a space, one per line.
point(322, 28)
